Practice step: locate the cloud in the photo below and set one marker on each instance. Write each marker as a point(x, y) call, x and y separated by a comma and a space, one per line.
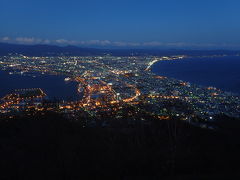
point(126, 44)
point(121, 44)
point(134, 44)
point(178, 44)
point(25, 40)
point(66, 42)
point(5, 39)
point(96, 42)
point(84, 43)
point(46, 41)
point(153, 43)
point(31, 40)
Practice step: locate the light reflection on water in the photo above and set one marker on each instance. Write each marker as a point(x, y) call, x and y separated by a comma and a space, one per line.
point(54, 86)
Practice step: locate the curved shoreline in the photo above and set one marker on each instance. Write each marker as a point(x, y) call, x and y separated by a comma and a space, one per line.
point(188, 76)
point(55, 83)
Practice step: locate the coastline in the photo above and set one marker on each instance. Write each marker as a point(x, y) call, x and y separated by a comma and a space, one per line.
point(172, 69)
point(56, 88)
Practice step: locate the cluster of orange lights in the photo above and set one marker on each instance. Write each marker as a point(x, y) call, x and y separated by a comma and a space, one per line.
point(164, 97)
point(160, 77)
point(12, 99)
point(163, 117)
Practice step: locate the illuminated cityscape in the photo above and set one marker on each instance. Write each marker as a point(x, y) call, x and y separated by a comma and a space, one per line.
point(108, 83)
point(119, 89)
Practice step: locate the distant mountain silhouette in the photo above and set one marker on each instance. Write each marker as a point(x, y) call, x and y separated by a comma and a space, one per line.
point(45, 50)
point(53, 50)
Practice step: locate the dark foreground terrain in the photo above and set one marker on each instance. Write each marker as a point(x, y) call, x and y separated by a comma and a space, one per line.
point(50, 147)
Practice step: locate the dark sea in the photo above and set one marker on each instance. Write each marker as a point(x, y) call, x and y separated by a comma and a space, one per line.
point(54, 86)
point(220, 72)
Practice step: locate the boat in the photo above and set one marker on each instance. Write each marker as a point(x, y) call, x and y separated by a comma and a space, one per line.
point(67, 79)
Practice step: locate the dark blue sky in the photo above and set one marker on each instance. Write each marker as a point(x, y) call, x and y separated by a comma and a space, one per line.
point(153, 23)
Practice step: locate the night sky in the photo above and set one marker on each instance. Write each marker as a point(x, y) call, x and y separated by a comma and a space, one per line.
point(122, 23)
